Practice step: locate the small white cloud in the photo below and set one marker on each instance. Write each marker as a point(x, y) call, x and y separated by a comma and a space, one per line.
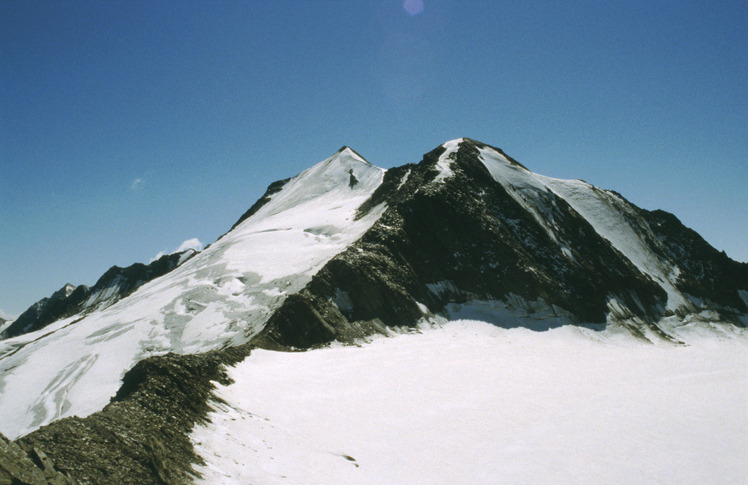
point(158, 256)
point(193, 243)
point(137, 184)
point(6, 316)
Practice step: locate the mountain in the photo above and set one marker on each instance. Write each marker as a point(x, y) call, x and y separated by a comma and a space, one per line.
point(469, 229)
point(220, 297)
point(45, 311)
point(113, 285)
point(342, 251)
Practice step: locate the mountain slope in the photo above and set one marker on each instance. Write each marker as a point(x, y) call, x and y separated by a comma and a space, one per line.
point(220, 297)
point(344, 250)
point(115, 284)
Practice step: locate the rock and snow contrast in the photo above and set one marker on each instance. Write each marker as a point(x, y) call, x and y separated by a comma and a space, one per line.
point(557, 328)
point(221, 296)
point(469, 402)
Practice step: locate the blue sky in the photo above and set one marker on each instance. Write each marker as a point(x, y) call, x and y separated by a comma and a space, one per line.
point(128, 127)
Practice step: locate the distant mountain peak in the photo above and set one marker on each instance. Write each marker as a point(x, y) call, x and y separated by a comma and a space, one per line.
point(68, 289)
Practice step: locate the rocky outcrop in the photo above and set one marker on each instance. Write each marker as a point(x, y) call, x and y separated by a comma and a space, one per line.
point(706, 272)
point(272, 189)
point(61, 303)
point(28, 466)
point(142, 436)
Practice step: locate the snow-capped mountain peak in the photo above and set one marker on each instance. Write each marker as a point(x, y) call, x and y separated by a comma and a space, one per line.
point(344, 250)
point(341, 176)
point(220, 296)
point(350, 152)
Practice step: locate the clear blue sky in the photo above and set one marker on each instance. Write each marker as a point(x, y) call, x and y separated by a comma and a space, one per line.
point(127, 127)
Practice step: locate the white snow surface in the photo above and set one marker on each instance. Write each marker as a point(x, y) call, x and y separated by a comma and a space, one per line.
point(469, 402)
point(222, 295)
point(444, 164)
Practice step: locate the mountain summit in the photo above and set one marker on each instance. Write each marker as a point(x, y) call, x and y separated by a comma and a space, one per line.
point(346, 249)
point(469, 229)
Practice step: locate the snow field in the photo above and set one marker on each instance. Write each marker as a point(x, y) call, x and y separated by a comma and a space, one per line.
point(468, 402)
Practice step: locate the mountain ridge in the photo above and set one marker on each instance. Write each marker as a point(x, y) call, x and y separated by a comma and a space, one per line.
point(467, 230)
point(116, 283)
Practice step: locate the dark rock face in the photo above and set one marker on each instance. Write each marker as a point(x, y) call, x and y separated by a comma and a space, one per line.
point(47, 310)
point(272, 189)
point(33, 466)
point(115, 284)
point(706, 272)
point(142, 436)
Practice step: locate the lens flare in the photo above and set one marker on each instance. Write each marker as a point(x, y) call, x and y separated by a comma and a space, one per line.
point(413, 7)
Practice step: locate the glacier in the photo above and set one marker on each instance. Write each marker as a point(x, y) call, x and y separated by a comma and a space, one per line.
point(503, 324)
point(469, 402)
point(219, 297)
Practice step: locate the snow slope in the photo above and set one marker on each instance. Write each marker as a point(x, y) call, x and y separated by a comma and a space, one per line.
point(468, 402)
point(220, 296)
point(444, 163)
point(611, 217)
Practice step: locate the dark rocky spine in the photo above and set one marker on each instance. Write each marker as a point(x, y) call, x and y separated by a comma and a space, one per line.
point(142, 435)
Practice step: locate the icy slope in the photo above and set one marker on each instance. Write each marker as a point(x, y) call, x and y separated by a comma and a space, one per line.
point(610, 215)
point(469, 402)
point(115, 284)
point(221, 296)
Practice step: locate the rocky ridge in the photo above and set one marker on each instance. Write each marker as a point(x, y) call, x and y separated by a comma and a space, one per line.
point(112, 286)
point(451, 235)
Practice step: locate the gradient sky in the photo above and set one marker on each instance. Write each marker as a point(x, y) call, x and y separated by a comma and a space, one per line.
point(128, 127)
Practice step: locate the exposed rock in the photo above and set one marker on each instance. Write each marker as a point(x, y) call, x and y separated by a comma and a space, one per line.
point(33, 468)
point(47, 310)
point(707, 272)
point(142, 436)
point(272, 189)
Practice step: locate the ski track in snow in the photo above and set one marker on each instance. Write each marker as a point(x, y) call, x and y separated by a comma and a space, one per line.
point(222, 295)
point(469, 402)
